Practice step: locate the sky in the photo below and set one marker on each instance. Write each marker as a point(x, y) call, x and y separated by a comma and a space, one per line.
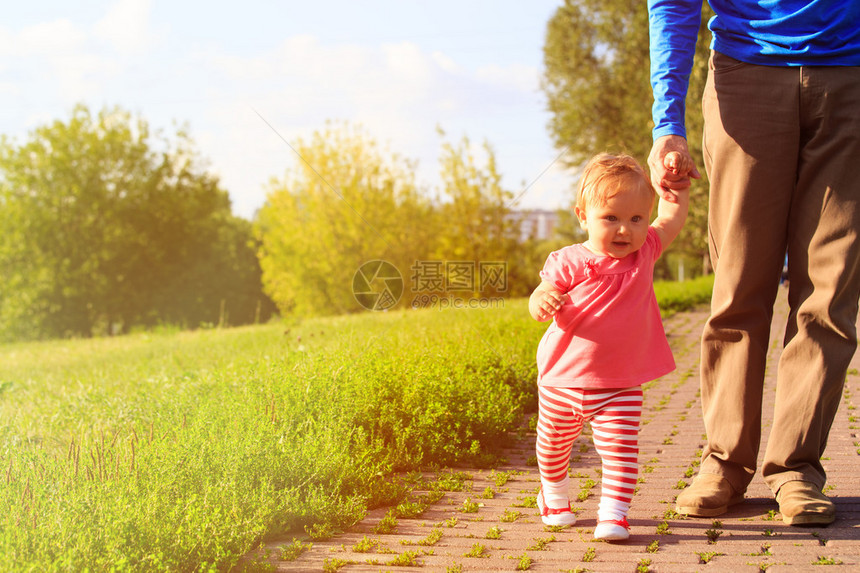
point(249, 78)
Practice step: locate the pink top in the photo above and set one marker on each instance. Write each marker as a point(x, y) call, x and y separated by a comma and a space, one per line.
point(608, 334)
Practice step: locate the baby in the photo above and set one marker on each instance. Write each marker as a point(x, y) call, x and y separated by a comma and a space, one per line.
point(606, 338)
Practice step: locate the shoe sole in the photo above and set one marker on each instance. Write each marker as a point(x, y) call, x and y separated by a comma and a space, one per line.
point(560, 523)
point(809, 520)
point(613, 537)
point(693, 511)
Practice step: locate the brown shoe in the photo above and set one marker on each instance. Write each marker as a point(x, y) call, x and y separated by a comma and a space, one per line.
point(708, 496)
point(802, 503)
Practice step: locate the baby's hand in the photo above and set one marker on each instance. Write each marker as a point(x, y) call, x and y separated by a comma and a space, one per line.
point(551, 302)
point(547, 302)
point(671, 166)
point(677, 163)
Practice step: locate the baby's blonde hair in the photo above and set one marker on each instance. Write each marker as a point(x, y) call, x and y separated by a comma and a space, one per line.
point(602, 178)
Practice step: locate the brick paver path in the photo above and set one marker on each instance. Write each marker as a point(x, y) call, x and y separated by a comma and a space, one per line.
point(464, 531)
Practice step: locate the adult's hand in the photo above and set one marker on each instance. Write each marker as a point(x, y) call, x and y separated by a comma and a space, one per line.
point(666, 176)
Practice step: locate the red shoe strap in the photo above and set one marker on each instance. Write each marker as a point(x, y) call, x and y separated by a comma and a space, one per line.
point(622, 522)
point(555, 510)
point(547, 510)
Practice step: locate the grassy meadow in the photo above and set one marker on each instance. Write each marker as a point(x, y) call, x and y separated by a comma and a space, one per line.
point(183, 450)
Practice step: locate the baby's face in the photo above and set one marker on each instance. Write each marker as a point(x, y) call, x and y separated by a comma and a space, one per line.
point(619, 227)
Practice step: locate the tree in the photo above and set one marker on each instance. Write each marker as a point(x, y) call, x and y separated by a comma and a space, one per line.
point(222, 282)
point(99, 219)
point(346, 202)
point(596, 78)
point(476, 224)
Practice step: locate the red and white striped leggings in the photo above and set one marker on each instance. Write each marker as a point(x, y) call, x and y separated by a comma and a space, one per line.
point(614, 418)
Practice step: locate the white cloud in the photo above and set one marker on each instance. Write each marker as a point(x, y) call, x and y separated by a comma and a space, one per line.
point(445, 63)
point(51, 60)
point(398, 91)
point(516, 76)
point(408, 64)
point(46, 39)
point(126, 27)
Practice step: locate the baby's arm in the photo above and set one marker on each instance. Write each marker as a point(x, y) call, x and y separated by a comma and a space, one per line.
point(672, 214)
point(545, 301)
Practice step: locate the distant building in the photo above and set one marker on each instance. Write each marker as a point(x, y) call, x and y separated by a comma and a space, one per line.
point(536, 223)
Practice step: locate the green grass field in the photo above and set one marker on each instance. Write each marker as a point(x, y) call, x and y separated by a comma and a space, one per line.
point(182, 450)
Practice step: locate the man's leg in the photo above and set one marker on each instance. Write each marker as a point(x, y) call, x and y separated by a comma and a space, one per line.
point(750, 147)
point(824, 281)
point(751, 142)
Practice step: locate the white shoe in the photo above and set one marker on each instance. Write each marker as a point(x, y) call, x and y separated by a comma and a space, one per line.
point(552, 516)
point(613, 530)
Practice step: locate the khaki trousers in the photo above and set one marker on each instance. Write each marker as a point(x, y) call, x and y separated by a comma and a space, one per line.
point(782, 151)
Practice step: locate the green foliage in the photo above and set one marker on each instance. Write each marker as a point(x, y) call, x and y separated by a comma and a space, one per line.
point(105, 226)
point(705, 557)
point(405, 559)
point(474, 219)
point(477, 550)
point(510, 516)
point(292, 551)
point(596, 78)
point(470, 506)
point(500, 478)
point(432, 538)
point(181, 451)
point(450, 480)
point(589, 555)
point(333, 565)
point(365, 545)
point(346, 203)
point(410, 509)
point(349, 202)
point(524, 562)
point(528, 501)
point(495, 532)
point(679, 296)
point(541, 543)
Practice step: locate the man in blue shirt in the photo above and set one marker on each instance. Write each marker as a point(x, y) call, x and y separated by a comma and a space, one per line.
point(782, 152)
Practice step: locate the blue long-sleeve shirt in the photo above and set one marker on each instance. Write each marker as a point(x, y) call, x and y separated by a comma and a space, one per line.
point(763, 32)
